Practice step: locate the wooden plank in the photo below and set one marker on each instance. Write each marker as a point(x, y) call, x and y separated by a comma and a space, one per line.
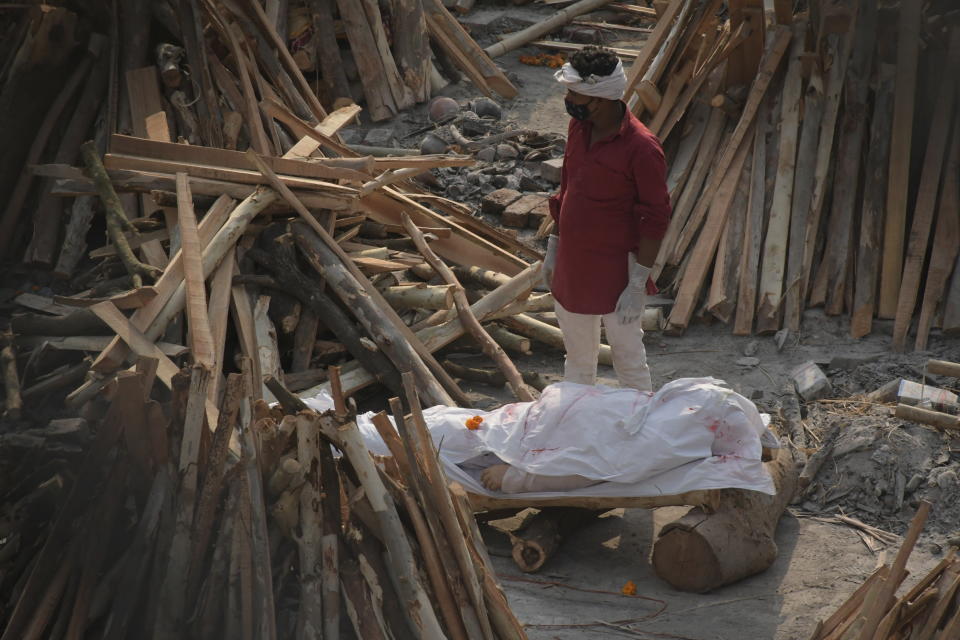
point(243, 176)
point(44, 304)
point(744, 59)
point(319, 168)
point(753, 232)
point(133, 299)
point(684, 204)
point(872, 212)
point(244, 324)
point(218, 312)
point(722, 299)
point(402, 95)
point(649, 82)
point(901, 144)
point(265, 335)
point(813, 104)
point(198, 323)
point(775, 53)
point(838, 48)
point(783, 10)
point(946, 243)
point(852, 130)
point(90, 343)
point(701, 257)
point(774, 262)
point(927, 194)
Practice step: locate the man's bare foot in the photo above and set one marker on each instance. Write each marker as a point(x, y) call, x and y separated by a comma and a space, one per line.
point(492, 477)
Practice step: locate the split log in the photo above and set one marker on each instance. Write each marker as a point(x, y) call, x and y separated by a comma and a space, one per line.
point(898, 179)
point(373, 74)
point(778, 226)
point(753, 232)
point(702, 551)
point(871, 215)
point(838, 48)
point(946, 241)
point(420, 297)
point(543, 534)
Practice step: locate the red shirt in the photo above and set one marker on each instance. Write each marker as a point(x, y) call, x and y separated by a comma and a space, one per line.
point(611, 194)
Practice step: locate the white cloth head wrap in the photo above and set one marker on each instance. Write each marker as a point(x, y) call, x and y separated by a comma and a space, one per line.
point(610, 87)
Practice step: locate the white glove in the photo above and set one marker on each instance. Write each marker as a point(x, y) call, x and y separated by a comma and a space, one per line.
point(550, 261)
point(634, 297)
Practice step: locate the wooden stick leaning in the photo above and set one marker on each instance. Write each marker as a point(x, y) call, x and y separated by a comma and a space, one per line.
point(201, 338)
point(117, 222)
point(489, 346)
point(433, 541)
point(400, 556)
point(887, 587)
point(437, 483)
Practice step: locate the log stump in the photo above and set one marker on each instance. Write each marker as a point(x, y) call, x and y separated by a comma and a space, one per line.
point(702, 551)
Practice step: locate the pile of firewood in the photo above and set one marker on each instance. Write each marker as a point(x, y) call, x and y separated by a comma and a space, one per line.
point(799, 174)
point(930, 609)
point(205, 73)
point(176, 518)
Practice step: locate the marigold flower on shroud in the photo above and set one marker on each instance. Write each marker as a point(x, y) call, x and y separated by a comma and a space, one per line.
point(474, 423)
point(629, 589)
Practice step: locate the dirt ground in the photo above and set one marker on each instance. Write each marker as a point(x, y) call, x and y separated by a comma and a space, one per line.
point(577, 595)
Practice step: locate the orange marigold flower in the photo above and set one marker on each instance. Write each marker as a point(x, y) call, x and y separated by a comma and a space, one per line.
point(629, 589)
point(474, 423)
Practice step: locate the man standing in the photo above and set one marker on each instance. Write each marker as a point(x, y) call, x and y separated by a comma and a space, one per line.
point(611, 214)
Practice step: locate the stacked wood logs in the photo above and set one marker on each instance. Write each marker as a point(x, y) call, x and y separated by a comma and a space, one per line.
point(808, 164)
point(929, 609)
point(160, 516)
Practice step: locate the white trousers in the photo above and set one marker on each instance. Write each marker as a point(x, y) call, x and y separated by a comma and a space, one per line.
point(581, 338)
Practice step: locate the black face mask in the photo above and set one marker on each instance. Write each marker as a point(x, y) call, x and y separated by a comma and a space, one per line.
point(577, 111)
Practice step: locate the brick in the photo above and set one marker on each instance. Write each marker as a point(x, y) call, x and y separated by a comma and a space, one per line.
point(518, 212)
point(919, 395)
point(496, 201)
point(538, 214)
point(811, 381)
point(550, 170)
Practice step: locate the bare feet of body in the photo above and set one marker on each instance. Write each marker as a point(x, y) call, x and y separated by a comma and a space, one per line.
point(492, 477)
